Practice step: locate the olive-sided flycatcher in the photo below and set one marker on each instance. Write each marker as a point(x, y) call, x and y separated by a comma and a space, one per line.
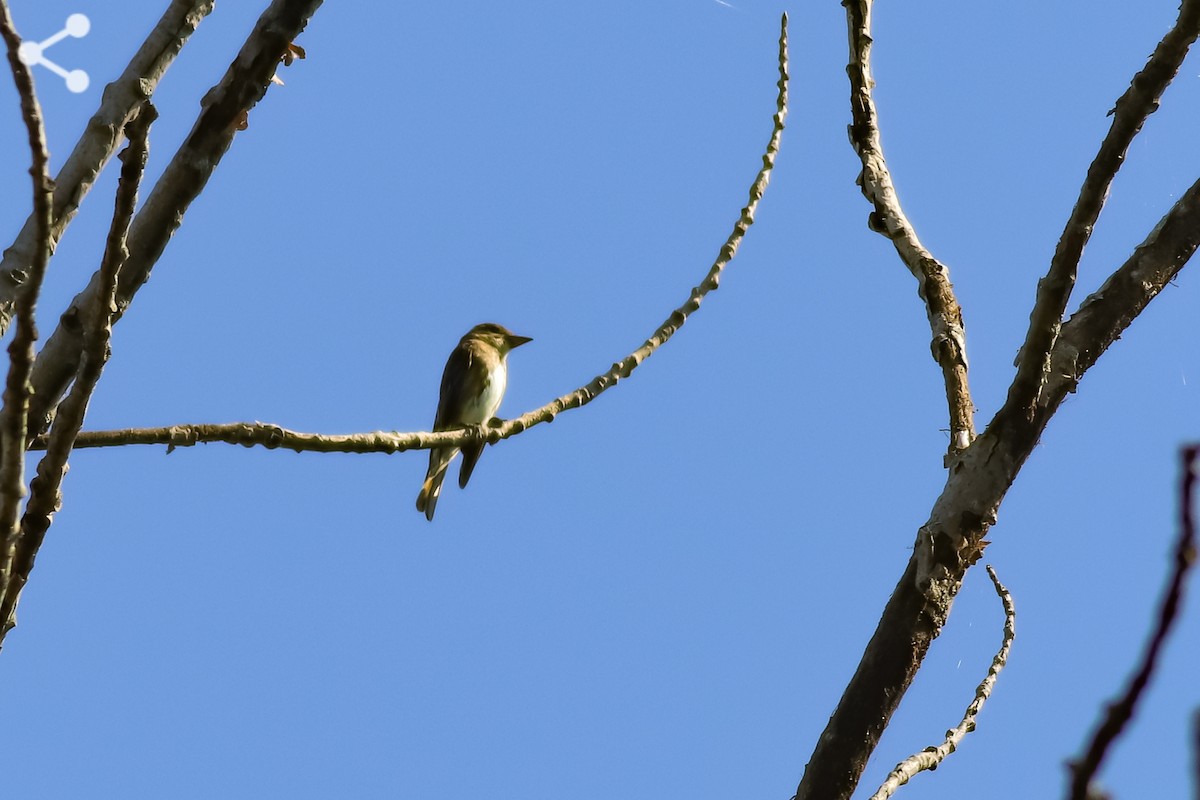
point(472, 388)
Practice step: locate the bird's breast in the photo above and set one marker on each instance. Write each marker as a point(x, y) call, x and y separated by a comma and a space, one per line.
point(484, 407)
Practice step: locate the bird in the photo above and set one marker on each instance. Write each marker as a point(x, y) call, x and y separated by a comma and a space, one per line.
point(473, 385)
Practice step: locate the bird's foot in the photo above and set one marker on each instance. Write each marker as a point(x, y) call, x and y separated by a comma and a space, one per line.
point(491, 430)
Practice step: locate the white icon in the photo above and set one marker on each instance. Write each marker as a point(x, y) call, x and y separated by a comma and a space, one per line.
point(31, 53)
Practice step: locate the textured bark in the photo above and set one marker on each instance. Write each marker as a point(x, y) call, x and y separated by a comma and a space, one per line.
point(1056, 357)
point(100, 140)
point(223, 111)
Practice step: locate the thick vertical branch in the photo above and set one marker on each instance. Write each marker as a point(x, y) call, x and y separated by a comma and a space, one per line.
point(953, 537)
point(99, 141)
point(20, 350)
point(951, 540)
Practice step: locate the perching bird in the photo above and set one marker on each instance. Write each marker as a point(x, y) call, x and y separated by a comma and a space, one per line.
point(472, 388)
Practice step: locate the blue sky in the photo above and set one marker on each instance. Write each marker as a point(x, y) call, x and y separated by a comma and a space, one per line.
point(662, 594)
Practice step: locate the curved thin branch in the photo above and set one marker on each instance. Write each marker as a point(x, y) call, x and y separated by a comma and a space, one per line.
point(1118, 714)
point(20, 350)
point(45, 496)
point(1054, 290)
point(100, 140)
point(223, 111)
point(273, 436)
point(931, 757)
point(625, 367)
point(949, 343)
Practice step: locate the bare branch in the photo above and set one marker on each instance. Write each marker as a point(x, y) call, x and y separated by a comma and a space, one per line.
point(45, 491)
point(1054, 290)
point(931, 757)
point(273, 436)
point(949, 343)
point(1118, 714)
point(1108, 311)
point(20, 350)
point(262, 434)
point(952, 539)
point(223, 110)
point(99, 140)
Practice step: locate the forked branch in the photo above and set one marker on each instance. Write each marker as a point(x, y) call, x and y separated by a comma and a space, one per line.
point(1054, 290)
point(1105, 314)
point(953, 537)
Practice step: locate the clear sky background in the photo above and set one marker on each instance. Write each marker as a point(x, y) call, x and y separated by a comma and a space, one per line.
point(663, 594)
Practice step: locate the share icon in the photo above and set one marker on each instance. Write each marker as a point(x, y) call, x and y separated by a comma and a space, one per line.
point(32, 53)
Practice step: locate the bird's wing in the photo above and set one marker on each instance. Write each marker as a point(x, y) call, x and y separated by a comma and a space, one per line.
point(463, 380)
point(450, 399)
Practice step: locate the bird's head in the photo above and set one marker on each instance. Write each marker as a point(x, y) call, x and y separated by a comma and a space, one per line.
point(497, 336)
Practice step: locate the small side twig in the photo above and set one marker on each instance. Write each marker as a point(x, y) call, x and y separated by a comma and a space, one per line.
point(1118, 714)
point(46, 489)
point(17, 388)
point(1138, 102)
point(274, 436)
point(931, 757)
point(949, 342)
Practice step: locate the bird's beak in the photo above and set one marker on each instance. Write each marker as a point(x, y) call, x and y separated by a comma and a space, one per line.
point(517, 341)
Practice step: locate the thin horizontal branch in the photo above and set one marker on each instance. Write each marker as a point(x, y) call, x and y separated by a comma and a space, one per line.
point(223, 112)
point(1054, 290)
point(272, 436)
point(931, 757)
point(949, 343)
point(100, 140)
point(17, 389)
point(1117, 715)
point(45, 497)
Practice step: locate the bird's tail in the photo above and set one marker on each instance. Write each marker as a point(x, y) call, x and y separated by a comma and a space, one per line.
point(439, 460)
